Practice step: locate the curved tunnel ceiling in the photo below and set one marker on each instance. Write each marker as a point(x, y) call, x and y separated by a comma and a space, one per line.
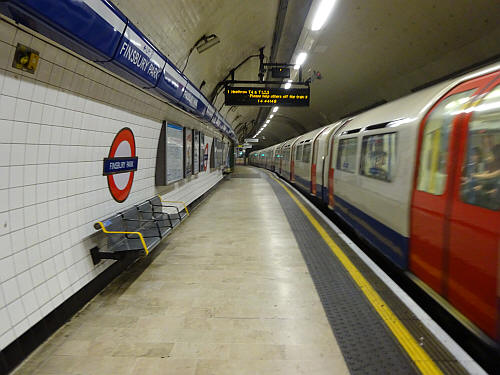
point(368, 51)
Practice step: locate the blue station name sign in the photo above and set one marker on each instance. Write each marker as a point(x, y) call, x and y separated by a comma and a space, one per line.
point(119, 165)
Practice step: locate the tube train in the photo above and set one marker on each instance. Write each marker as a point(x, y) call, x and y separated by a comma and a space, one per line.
point(419, 179)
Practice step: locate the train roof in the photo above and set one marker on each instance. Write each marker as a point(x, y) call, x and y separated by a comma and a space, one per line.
point(412, 108)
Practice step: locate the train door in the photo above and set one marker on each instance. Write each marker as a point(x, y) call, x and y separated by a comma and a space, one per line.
point(331, 170)
point(292, 159)
point(437, 179)
point(475, 216)
point(314, 160)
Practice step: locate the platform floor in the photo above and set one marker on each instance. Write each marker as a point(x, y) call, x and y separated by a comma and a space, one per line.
point(228, 293)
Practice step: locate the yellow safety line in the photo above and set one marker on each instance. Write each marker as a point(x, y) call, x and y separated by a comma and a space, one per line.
point(422, 360)
point(116, 232)
point(184, 203)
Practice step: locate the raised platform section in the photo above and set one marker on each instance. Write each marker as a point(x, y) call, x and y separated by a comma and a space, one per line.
point(253, 283)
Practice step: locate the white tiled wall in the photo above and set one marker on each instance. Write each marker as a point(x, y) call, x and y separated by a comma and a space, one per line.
point(56, 126)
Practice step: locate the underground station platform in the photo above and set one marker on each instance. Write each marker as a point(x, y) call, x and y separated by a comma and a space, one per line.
point(294, 297)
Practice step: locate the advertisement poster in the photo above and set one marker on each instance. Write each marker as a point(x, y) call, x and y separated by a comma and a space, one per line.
point(196, 152)
point(174, 153)
point(188, 152)
point(202, 151)
point(206, 152)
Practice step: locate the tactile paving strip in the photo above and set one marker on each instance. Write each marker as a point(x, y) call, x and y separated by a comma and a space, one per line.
point(367, 345)
point(365, 349)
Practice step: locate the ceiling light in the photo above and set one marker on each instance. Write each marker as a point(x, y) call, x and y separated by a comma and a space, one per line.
point(207, 42)
point(301, 57)
point(271, 116)
point(322, 13)
point(275, 109)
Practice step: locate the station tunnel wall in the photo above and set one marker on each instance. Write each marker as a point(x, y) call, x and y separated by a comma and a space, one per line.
point(57, 125)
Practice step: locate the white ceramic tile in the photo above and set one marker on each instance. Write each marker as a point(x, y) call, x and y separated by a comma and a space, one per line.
point(45, 130)
point(26, 88)
point(10, 290)
point(54, 287)
point(4, 223)
point(42, 294)
point(7, 338)
point(6, 129)
point(37, 274)
point(49, 268)
point(16, 197)
point(55, 137)
point(22, 326)
point(4, 200)
point(16, 219)
point(35, 116)
point(11, 84)
point(4, 319)
point(7, 107)
point(17, 157)
point(43, 235)
point(39, 92)
point(4, 177)
point(30, 179)
point(24, 283)
point(19, 132)
point(21, 261)
point(18, 240)
point(16, 311)
point(31, 232)
point(22, 110)
point(7, 270)
point(35, 317)
point(4, 154)
point(34, 256)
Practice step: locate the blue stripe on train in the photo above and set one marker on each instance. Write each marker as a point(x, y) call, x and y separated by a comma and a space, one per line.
point(304, 184)
point(389, 242)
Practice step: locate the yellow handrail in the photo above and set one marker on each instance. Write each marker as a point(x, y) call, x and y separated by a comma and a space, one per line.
point(118, 232)
point(184, 203)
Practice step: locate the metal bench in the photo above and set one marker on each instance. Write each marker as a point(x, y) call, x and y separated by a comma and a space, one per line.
point(138, 230)
point(175, 218)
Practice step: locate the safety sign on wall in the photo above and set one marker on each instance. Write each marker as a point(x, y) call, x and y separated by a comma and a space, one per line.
point(120, 165)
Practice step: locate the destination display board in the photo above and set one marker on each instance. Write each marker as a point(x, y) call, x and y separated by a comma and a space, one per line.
point(267, 97)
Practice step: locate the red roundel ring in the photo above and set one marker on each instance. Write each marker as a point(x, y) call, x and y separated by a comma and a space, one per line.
point(123, 146)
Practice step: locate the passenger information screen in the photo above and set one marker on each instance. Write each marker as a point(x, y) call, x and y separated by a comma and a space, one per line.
point(267, 97)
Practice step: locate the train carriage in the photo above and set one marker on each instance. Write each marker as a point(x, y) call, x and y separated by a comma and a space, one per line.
point(419, 178)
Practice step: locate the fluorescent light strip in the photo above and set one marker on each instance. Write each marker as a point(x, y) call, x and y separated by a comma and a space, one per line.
point(301, 57)
point(322, 13)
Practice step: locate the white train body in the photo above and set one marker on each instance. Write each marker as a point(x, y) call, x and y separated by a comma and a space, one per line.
point(400, 176)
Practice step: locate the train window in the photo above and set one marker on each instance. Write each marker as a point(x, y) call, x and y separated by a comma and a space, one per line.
point(346, 156)
point(306, 153)
point(298, 153)
point(378, 156)
point(432, 172)
point(481, 170)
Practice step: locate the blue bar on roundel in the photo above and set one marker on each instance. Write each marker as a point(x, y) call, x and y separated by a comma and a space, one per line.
point(119, 165)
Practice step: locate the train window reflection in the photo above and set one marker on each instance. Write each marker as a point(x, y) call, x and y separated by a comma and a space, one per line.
point(481, 170)
point(298, 153)
point(346, 156)
point(378, 156)
point(432, 172)
point(306, 153)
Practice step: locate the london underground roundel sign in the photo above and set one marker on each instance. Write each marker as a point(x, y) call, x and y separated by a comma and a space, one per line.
point(120, 165)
